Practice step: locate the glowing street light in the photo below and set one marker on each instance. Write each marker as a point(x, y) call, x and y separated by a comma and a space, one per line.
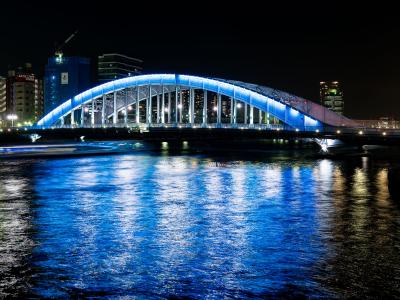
point(239, 105)
point(180, 106)
point(166, 110)
point(12, 118)
point(360, 132)
point(130, 107)
point(338, 131)
point(215, 108)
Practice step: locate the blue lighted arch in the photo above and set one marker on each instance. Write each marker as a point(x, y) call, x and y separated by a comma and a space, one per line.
point(279, 109)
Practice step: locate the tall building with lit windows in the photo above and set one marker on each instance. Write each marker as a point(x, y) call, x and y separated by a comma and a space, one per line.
point(64, 78)
point(3, 103)
point(24, 95)
point(331, 96)
point(115, 66)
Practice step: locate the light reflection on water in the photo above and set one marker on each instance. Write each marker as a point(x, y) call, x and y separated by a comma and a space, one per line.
point(155, 226)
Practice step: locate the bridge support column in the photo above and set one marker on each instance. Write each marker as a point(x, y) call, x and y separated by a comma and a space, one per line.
point(62, 121)
point(82, 115)
point(92, 115)
point(259, 116)
point(137, 105)
point(251, 115)
point(234, 110)
point(176, 104)
point(158, 109)
point(204, 107)
point(219, 109)
point(115, 114)
point(162, 105)
point(103, 110)
point(148, 107)
point(245, 114)
point(73, 117)
point(169, 107)
point(191, 106)
point(232, 104)
point(126, 108)
point(180, 104)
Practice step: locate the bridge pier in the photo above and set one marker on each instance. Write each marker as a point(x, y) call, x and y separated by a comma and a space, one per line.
point(205, 107)
point(180, 104)
point(169, 107)
point(251, 121)
point(82, 115)
point(219, 109)
point(162, 105)
point(148, 106)
point(191, 106)
point(115, 116)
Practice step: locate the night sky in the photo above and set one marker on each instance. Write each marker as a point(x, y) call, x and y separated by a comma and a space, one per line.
point(288, 47)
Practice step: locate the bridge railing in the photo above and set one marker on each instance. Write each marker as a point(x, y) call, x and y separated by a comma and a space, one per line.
point(327, 130)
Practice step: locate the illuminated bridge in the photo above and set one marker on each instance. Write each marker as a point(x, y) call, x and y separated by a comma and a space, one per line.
point(182, 101)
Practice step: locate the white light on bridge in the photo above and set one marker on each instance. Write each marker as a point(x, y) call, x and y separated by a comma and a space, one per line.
point(317, 131)
point(215, 108)
point(338, 131)
point(360, 132)
point(166, 110)
point(180, 106)
point(239, 105)
point(130, 107)
point(297, 129)
point(86, 109)
point(384, 133)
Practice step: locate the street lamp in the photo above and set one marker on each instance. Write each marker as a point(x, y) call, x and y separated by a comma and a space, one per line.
point(12, 117)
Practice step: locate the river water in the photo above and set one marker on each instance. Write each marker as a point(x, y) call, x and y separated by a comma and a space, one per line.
point(161, 224)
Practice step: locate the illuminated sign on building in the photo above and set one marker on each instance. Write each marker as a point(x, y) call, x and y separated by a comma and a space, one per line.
point(64, 78)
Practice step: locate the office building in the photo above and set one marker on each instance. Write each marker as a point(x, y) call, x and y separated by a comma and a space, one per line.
point(2, 101)
point(64, 78)
point(114, 66)
point(331, 96)
point(24, 95)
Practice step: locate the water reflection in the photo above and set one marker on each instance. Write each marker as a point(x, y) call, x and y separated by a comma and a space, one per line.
point(160, 226)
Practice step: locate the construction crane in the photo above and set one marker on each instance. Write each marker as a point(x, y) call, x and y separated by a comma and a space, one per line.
point(58, 52)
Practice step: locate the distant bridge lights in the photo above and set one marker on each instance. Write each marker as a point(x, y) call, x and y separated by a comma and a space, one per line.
point(384, 133)
point(360, 132)
point(338, 132)
point(239, 105)
point(215, 108)
point(130, 107)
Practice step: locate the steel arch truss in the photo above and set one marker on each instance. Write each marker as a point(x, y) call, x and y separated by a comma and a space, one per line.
point(175, 100)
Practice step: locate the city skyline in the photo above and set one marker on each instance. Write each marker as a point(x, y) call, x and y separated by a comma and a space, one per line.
point(292, 50)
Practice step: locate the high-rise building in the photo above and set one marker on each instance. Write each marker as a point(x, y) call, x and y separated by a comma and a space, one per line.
point(331, 96)
point(114, 66)
point(3, 103)
point(24, 95)
point(64, 78)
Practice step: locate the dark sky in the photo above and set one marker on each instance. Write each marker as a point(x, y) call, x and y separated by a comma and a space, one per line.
point(285, 46)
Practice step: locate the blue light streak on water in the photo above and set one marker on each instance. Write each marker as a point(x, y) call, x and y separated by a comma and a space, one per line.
point(155, 226)
point(176, 225)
